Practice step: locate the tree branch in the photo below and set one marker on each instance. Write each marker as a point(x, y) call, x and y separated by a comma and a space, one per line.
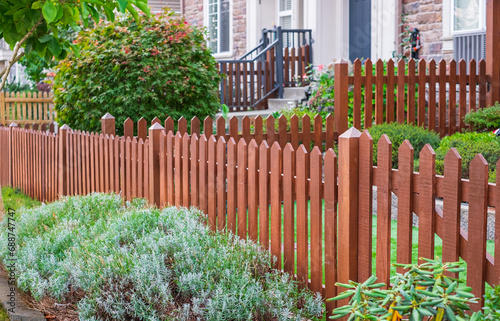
point(16, 50)
point(15, 60)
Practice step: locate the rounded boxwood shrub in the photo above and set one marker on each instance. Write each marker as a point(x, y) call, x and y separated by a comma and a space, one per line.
point(468, 145)
point(398, 133)
point(152, 67)
point(484, 118)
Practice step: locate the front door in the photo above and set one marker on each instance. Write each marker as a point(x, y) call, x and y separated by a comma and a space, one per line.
point(360, 29)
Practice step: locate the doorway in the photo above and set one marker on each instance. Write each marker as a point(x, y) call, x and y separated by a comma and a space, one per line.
point(360, 29)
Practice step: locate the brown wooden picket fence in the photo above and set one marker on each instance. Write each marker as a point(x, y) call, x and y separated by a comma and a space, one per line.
point(26, 108)
point(250, 183)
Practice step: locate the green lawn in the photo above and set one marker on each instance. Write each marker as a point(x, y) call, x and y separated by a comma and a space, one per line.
point(14, 198)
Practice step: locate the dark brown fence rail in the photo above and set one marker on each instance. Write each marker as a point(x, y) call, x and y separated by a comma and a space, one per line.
point(310, 207)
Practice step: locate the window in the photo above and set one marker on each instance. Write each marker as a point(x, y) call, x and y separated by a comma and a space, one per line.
point(285, 14)
point(468, 15)
point(219, 25)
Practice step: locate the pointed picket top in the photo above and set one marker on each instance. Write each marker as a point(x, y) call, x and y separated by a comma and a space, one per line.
point(212, 140)
point(134, 140)
point(452, 157)
point(427, 151)
point(301, 153)
point(253, 144)
point(294, 120)
point(275, 146)
point(195, 125)
point(442, 66)
point(264, 146)
point(351, 133)
point(208, 126)
point(92, 135)
point(156, 120)
point(401, 67)
point(478, 167)
point(462, 64)
point(221, 142)
point(63, 127)
point(357, 62)
point(15, 125)
point(472, 66)
point(185, 137)
point(270, 123)
point(178, 136)
point(406, 147)
point(170, 135)
point(282, 121)
point(342, 61)
point(194, 137)
point(452, 66)
point(169, 124)
point(330, 155)
point(365, 136)
point(316, 152)
point(390, 63)
point(257, 119)
point(156, 126)
point(107, 116)
point(318, 122)
point(182, 125)
point(379, 66)
point(221, 126)
point(242, 143)
point(384, 139)
point(140, 142)
point(288, 150)
point(233, 127)
point(231, 143)
point(422, 68)
point(245, 127)
point(128, 138)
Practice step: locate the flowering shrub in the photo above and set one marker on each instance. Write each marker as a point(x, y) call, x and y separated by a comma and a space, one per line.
point(153, 67)
point(134, 262)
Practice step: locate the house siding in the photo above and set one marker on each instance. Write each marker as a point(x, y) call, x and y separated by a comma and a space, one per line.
point(427, 17)
point(193, 11)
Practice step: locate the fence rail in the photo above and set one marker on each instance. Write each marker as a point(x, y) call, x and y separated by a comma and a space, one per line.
point(26, 108)
point(312, 209)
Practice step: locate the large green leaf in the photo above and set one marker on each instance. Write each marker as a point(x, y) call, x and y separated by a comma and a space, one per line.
point(49, 11)
point(55, 47)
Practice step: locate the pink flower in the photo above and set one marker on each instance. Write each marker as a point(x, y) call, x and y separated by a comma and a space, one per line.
point(320, 67)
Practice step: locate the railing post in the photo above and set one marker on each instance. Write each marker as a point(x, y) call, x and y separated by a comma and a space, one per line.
point(154, 163)
point(2, 108)
point(62, 172)
point(279, 62)
point(108, 124)
point(348, 162)
point(341, 104)
point(11, 160)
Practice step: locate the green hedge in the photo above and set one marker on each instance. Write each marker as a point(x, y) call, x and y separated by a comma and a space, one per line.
point(398, 133)
point(468, 145)
point(484, 118)
point(135, 262)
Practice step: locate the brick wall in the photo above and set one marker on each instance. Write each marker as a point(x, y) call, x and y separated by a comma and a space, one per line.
point(427, 17)
point(193, 11)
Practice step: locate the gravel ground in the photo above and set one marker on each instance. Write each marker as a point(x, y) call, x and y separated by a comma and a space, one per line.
point(464, 217)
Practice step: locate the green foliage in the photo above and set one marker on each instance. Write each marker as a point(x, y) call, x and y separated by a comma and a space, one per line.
point(484, 118)
point(46, 18)
point(424, 292)
point(155, 67)
point(14, 198)
point(405, 37)
point(468, 145)
point(17, 86)
point(134, 262)
point(398, 133)
point(491, 310)
point(36, 66)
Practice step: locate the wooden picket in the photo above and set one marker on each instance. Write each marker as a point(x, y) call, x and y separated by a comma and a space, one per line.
point(312, 208)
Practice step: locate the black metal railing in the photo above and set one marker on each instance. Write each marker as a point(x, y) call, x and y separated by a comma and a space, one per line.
point(260, 73)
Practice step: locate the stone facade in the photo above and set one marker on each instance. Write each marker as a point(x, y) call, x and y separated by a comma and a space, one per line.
point(427, 17)
point(193, 11)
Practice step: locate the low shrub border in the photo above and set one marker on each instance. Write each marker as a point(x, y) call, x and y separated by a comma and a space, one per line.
point(136, 262)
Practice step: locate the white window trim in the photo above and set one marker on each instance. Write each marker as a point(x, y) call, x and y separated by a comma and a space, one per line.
point(482, 19)
point(226, 54)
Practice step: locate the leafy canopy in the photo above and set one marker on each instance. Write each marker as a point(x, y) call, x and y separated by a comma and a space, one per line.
point(36, 24)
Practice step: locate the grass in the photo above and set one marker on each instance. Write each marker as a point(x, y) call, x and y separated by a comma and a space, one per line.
point(14, 198)
point(3, 314)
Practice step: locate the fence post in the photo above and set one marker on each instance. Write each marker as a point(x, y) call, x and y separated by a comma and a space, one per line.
point(341, 104)
point(279, 63)
point(108, 124)
point(348, 162)
point(11, 161)
point(2, 108)
point(154, 163)
point(63, 160)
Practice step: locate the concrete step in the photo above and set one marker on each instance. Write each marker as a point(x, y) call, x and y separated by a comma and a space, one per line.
point(275, 104)
point(295, 93)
